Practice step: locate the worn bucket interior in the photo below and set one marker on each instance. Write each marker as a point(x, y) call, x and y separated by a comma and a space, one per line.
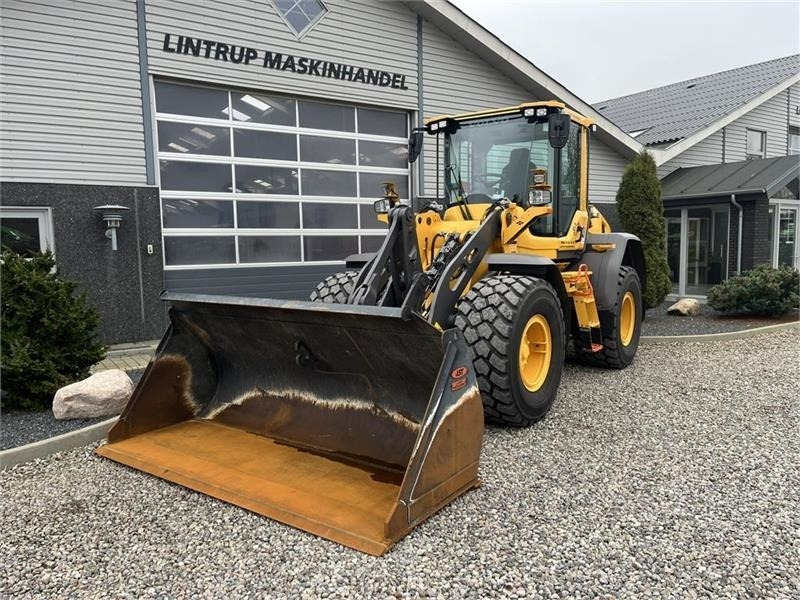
point(347, 422)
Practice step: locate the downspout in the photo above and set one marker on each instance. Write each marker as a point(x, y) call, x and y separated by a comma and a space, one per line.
point(738, 235)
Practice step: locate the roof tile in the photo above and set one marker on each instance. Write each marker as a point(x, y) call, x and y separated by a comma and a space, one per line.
point(674, 111)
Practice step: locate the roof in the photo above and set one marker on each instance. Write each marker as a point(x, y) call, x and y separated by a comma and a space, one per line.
point(474, 37)
point(766, 175)
point(673, 112)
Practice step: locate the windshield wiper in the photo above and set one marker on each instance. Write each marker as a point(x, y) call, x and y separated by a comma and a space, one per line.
point(461, 196)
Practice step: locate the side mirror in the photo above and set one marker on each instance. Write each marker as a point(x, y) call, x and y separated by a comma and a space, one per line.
point(415, 142)
point(558, 125)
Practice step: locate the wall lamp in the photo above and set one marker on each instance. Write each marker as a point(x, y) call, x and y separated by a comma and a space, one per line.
point(112, 219)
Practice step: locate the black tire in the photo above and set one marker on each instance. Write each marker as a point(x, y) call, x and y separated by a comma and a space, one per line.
point(335, 289)
point(615, 353)
point(493, 317)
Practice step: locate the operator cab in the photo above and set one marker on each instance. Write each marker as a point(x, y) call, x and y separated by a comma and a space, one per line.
point(530, 157)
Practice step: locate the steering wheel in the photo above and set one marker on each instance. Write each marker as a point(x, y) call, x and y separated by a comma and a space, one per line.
point(479, 198)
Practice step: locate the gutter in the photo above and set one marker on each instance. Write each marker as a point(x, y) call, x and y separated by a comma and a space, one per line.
point(716, 194)
point(738, 235)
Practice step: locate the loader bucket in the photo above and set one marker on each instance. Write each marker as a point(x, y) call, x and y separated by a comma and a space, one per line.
point(349, 422)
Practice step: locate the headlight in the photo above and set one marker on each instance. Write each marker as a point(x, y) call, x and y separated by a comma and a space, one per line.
point(539, 197)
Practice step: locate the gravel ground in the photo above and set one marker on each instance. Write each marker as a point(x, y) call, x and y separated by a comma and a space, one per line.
point(18, 427)
point(677, 477)
point(658, 322)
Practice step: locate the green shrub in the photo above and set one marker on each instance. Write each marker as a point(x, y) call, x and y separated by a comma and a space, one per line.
point(760, 291)
point(641, 212)
point(47, 332)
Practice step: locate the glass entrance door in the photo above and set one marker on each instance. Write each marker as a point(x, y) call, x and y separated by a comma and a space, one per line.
point(697, 248)
point(787, 237)
point(674, 249)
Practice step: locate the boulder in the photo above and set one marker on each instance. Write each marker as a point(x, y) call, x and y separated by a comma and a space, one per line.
point(685, 307)
point(103, 394)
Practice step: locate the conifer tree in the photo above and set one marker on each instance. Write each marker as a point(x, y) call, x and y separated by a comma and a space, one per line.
point(641, 212)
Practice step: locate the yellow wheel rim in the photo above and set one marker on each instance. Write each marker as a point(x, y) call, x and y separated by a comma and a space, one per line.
point(535, 351)
point(627, 319)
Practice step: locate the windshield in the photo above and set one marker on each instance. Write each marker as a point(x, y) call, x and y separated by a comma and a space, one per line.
point(492, 160)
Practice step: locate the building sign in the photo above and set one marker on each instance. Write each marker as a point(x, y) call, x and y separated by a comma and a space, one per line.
point(279, 61)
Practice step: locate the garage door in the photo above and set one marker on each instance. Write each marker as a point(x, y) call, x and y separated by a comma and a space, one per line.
point(253, 181)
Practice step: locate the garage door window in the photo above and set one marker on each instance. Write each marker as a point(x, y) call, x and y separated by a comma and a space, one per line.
point(254, 179)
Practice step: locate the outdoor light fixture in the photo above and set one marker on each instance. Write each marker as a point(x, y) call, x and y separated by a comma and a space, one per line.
point(112, 219)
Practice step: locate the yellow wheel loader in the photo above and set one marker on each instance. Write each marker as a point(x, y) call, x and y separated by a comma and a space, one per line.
point(359, 414)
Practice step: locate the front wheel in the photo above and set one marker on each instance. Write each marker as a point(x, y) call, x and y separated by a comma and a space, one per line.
point(514, 327)
point(335, 289)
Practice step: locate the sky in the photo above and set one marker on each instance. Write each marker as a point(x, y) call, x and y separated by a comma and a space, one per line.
point(602, 50)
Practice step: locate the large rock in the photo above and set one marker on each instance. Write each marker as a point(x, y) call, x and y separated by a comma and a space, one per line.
point(685, 307)
point(102, 395)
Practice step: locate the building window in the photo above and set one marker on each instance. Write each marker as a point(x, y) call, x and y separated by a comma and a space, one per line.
point(26, 230)
point(756, 144)
point(261, 180)
point(300, 15)
point(794, 140)
point(782, 235)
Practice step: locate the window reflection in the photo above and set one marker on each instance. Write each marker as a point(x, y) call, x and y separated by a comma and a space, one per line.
point(199, 250)
point(268, 215)
point(190, 100)
point(318, 215)
point(258, 108)
point(187, 212)
point(382, 122)
point(195, 176)
point(382, 154)
point(328, 183)
point(329, 247)
point(319, 115)
point(193, 139)
point(250, 143)
point(336, 151)
point(265, 180)
point(372, 184)
point(269, 248)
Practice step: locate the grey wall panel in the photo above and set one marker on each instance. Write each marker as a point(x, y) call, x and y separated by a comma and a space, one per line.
point(287, 283)
point(363, 33)
point(707, 152)
point(71, 107)
point(793, 95)
point(770, 117)
point(124, 285)
point(457, 81)
point(605, 172)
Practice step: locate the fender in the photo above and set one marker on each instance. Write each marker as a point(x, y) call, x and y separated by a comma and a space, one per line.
point(605, 264)
point(535, 266)
point(356, 261)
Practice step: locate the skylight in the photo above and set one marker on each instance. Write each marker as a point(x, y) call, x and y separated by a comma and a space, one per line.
point(300, 15)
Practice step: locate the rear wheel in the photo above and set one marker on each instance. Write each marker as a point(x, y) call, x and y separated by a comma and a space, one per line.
point(515, 330)
point(621, 326)
point(335, 289)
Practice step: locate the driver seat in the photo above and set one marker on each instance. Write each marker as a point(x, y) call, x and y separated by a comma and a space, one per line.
point(514, 176)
